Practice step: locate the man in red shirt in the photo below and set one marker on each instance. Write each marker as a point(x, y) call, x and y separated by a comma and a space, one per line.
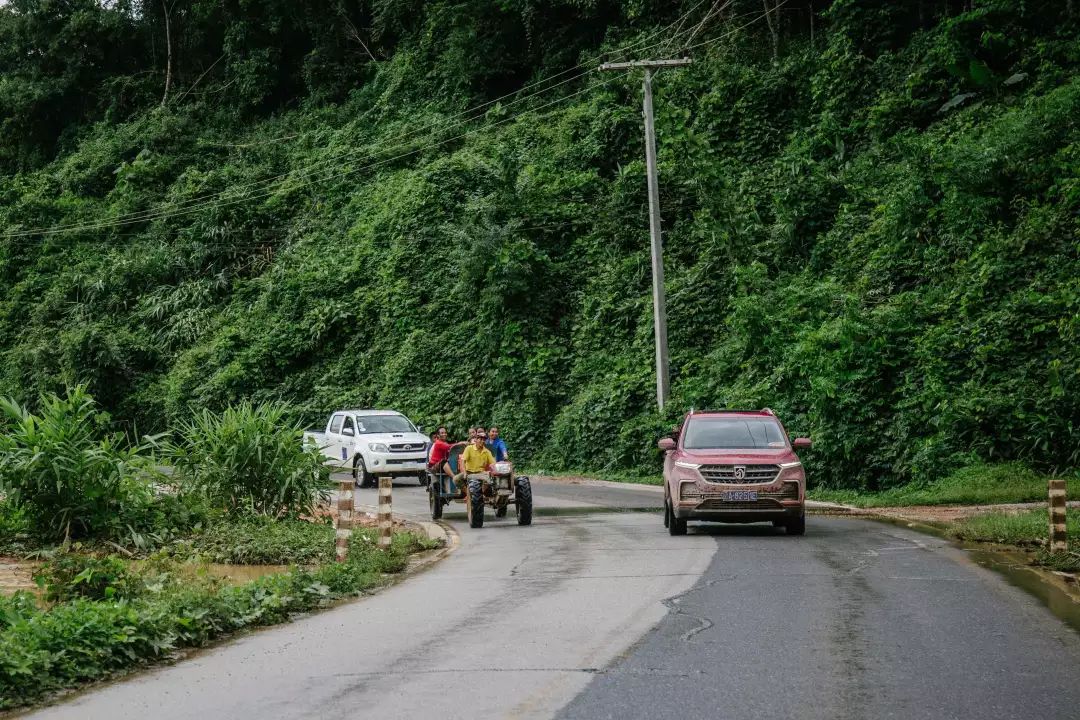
point(440, 451)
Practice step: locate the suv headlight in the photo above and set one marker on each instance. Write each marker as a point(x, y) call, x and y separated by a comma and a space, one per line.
point(378, 447)
point(791, 472)
point(687, 465)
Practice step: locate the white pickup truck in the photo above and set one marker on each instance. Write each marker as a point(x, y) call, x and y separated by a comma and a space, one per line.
point(372, 443)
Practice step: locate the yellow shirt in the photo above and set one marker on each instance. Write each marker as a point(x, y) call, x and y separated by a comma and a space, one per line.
point(476, 460)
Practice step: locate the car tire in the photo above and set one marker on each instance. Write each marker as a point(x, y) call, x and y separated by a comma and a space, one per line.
point(361, 477)
point(796, 526)
point(474, 504)
point(676, 526)
point(667, 513)
point(424, 478)
point(523, 500)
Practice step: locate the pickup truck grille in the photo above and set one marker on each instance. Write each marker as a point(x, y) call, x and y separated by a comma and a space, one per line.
point(754, 474)
point(415, 447)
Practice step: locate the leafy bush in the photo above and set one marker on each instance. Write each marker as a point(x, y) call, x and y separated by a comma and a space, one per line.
point(250, 459)
point(71, 576)
point(67, 474)
point(83, 640)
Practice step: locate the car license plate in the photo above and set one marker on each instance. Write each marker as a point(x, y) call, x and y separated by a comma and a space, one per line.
point(739, 496)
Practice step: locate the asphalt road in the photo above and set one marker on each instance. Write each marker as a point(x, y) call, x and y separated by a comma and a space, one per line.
point(592, 613)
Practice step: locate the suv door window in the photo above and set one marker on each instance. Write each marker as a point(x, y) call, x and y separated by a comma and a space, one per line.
point(335, 424)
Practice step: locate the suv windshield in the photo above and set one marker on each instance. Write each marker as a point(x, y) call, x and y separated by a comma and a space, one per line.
point(384, 424)
point(732, 434)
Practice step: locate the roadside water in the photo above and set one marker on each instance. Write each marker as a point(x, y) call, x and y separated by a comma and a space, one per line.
point(16, 575)
point(1060, 592)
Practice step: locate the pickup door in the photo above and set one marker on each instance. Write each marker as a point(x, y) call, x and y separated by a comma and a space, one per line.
point(340, 432)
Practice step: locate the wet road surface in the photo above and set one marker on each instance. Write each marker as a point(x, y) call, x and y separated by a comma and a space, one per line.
point(592, 613)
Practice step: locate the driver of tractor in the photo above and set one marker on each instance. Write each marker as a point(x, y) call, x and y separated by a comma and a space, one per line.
point(476, 458)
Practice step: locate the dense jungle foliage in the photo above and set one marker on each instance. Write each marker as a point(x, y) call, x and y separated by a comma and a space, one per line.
point(871, 215)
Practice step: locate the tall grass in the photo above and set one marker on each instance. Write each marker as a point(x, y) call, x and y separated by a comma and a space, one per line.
point(67, 474)
point(249, 459)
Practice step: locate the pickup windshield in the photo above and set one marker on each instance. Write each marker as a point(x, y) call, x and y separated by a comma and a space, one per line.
point(732, 434)
point(383, 424)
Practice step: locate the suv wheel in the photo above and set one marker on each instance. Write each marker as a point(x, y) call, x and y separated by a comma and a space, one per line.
point(676, 526)
point(796, 526)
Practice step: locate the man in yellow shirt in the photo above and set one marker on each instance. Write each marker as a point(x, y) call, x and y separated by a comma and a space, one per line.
point(474, 459)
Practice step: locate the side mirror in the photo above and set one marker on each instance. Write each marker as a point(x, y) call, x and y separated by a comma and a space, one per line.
point(802, 443)
point(419, 428)
point(666, 444)
point(347, 431)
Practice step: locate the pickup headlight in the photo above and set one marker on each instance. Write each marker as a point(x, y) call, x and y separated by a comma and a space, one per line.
point(378, 447)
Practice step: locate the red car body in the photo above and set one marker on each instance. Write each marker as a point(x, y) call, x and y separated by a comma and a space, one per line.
point(734, 466)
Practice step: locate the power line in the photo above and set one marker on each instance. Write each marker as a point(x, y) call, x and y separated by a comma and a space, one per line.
point(286, 178)
point(152, 214)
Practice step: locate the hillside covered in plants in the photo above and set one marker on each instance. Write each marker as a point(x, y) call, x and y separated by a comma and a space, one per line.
point(871, 215)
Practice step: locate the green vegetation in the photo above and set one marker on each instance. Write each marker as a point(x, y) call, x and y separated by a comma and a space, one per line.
point(260, 541)
point(976, 485)
point(248, 459)
point(1028, 528)
point(871, 215)
point(112, 618)
point(67, 475)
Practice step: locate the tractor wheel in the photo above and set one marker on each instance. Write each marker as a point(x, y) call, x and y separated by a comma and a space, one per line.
point(474, 503)
point(523, 498)
point(435, 502)
point(361, 477)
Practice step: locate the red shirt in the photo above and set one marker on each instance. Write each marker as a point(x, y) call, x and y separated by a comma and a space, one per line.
point(439, 452)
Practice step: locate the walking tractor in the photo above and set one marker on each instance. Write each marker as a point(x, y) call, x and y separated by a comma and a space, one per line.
point(498, 490)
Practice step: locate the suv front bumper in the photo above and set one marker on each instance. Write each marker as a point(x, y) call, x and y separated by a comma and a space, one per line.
point(779, 501)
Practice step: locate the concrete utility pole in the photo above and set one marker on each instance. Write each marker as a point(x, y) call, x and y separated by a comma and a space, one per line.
point(663, 374)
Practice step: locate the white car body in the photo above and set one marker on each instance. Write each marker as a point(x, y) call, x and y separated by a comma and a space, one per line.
point(381, 442)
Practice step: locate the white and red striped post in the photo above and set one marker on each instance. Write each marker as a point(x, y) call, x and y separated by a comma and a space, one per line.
point(386, 524)
point(343, 527)
point(1058, 541)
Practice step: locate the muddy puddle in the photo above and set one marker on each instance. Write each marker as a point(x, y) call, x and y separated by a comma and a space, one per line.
point(16, 575)
point(239, 574)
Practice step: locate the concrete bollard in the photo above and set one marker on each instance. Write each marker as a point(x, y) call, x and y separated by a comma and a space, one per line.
point(386, 524)
point(343, 528)
point(1058, 542)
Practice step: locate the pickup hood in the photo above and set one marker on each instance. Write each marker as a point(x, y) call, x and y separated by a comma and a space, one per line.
point(739, 457)
point(415, 439)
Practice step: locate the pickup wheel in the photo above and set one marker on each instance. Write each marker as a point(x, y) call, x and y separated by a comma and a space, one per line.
point(424, 478)
point(474, 504)
point(361, 477)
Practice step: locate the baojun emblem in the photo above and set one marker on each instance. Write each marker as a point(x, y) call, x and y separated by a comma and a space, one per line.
point(740, 472)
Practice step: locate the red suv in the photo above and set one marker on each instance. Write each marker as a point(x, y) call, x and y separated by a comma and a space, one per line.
point(733, 466)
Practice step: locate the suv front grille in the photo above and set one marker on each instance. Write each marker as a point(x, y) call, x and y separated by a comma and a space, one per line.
point(754, 474)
